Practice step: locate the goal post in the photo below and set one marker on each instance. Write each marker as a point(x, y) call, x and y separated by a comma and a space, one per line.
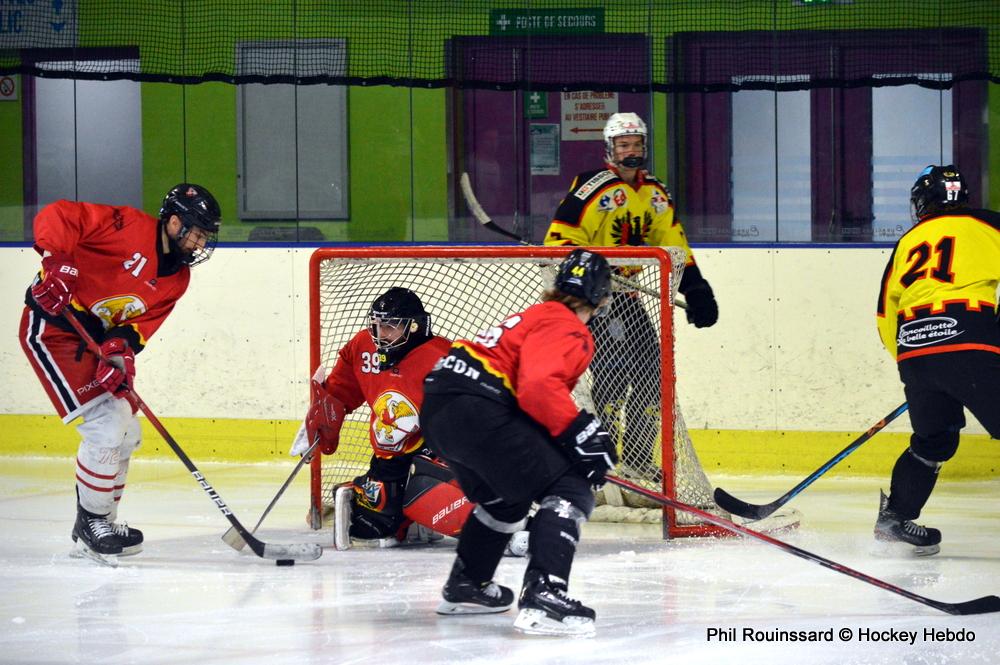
point(466, 289)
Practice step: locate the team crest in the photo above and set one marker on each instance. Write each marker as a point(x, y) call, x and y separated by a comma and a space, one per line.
point(118, 310)
point(659, 201)
point(395, 419)
point(619, 197)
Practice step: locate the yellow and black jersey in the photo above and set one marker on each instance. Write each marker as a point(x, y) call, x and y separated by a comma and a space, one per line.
point(602, 210)
point(939, 288)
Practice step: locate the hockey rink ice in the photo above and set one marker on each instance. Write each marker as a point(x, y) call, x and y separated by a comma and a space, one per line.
point(189, 598)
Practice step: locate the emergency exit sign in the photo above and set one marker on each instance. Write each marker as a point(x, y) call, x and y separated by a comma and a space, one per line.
point(515, 22)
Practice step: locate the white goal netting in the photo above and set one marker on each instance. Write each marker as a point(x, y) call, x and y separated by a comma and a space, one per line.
point(466, 290)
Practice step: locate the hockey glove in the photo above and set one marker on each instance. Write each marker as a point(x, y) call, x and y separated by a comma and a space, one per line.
point(702, 310)
point(55, 290)
point(116, 368)
point(325, 418)
point(590, 446)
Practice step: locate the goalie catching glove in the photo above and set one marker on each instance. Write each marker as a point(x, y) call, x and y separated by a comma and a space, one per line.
point(590, 446)
point(324, 420)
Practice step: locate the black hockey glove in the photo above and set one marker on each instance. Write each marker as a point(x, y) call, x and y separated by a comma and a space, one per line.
point(590, 446)
point(702, 310)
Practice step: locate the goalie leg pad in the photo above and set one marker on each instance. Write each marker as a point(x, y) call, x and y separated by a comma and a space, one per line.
point(433, 498)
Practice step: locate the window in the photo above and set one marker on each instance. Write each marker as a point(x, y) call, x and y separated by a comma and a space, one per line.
point(292, 139)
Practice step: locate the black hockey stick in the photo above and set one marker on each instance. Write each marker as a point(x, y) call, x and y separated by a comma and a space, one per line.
point(232, 536)
point(983, 605)
point(477, 211)
point(754, 511)
point(296, 552)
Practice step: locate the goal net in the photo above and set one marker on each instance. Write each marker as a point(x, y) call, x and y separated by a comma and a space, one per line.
point(468, 289)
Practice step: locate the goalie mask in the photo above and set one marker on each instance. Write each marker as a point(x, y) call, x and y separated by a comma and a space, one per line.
point(938, 189)
point(398, 324)
point(195, 207)
point(624, 124)
point(585, 275)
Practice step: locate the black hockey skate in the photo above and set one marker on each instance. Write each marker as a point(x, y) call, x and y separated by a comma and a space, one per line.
point(95, 538)
point(131, 538)
point(463, 596)
point(547, 610)
point(891, 528)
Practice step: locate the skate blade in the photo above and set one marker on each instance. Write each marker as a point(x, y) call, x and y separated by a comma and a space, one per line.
point(899, 549)
point(537, 622)
point(131, 551)
point(81, 551)
point(448, 608)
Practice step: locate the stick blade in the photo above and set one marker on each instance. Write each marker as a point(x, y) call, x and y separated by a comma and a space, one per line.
point(233, 538)
point(296, 551)
point(731, 504)
point(984, 605)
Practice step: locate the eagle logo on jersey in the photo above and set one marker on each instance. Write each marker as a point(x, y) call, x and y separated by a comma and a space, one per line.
point(628, 230)
point(117, 310)
point(395, 420)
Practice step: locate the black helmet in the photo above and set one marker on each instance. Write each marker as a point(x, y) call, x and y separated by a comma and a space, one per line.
point(194, 206)
point(398, 308)
point(938, 189)
point(585, 275)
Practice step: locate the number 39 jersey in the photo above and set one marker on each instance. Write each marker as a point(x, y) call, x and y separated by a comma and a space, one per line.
point(394, 395)
point(939, 288)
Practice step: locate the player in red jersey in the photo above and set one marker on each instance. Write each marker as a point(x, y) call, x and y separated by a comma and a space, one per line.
point(120, 272)
point(499, 410)
point(383, 366)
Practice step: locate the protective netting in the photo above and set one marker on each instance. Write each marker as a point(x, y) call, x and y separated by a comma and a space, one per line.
point(467, 295)
point(683, 45)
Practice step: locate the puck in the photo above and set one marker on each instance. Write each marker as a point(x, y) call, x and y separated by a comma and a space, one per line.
point(285, 562)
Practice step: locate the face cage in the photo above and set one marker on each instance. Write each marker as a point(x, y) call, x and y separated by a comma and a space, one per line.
point(609, 150)
point(201, 254)
point(375, 322)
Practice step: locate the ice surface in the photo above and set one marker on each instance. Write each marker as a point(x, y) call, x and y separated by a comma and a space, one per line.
point(188, 598)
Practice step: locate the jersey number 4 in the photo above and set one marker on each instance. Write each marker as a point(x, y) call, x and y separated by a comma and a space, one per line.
point(921, 255)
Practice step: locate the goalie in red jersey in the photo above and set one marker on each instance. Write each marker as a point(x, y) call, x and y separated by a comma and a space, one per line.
point(384, 366)
point(120, 272)
point(499, 410)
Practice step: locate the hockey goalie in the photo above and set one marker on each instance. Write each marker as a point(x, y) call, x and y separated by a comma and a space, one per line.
point(405, 489)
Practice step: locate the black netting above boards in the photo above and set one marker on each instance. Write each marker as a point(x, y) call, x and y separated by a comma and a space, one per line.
point(675, 46)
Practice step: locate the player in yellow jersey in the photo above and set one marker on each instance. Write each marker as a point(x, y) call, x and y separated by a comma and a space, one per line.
point(622, 204)
point(937, 316)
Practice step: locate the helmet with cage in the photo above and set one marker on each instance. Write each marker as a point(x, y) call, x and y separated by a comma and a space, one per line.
point(398, 323)
point(624, 124)
point(938, 189)
point(196, 208)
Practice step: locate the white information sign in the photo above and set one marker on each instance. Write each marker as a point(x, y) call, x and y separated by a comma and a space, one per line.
point(584, 113)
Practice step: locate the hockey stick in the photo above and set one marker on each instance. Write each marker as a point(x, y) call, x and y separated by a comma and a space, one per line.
point(477, 211)
point(295, 552)
point(983, 605)
point(233, 538)
point(754, 511)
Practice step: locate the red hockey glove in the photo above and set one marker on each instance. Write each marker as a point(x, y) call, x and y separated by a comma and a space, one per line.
point(116, 368)
point(55, 290)
point(325, 418)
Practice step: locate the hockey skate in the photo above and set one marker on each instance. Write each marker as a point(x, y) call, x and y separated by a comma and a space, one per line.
point(95, 538)
point(890, 528)
point(547, 610)
point(463, 596)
